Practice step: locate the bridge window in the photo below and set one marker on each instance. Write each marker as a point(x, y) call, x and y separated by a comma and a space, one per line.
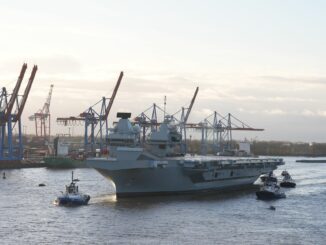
point(162, 146)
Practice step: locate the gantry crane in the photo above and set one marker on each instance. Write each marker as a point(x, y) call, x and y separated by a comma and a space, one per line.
point(11, 149)
point(184, 120)
point(146, 121)
point(42, 118)
point(221, 128)
point(94, 120)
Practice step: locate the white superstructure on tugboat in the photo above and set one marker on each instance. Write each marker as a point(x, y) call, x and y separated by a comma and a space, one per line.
point(157, 167)
point(287, 180)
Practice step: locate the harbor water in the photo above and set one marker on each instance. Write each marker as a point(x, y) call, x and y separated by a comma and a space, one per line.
point(28, 215)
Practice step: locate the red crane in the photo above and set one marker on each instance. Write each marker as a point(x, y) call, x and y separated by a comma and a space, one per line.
point(42, 117)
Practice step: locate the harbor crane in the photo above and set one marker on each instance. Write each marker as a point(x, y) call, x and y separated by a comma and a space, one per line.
point(42, 118)
point(11, 109)
point(95, 121)
point(221, 128)
point(184, 120)
point(216, 125)
point(146, 121)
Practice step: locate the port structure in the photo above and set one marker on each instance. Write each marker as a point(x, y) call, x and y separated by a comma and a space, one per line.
point(11, 109)
point(215, 126)
point(95, 120)
point(42, 119)
point(185, 112)
point(148, 120)
point(220, 128)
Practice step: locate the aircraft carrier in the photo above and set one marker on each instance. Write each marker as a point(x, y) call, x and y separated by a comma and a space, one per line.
point(158, 168)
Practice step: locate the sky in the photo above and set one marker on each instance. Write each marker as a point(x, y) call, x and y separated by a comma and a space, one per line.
point(262, 61)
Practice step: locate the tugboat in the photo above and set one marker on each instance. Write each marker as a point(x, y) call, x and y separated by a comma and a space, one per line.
point(287, 180)
point(270, 190)
point(72, 195)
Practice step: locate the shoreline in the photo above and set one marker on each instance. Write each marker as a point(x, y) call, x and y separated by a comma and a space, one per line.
point(20, 164)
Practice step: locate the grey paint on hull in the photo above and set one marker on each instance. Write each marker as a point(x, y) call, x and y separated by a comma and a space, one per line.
point(172, 179)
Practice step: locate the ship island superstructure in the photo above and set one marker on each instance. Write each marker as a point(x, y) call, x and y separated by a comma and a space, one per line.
point(159, 167)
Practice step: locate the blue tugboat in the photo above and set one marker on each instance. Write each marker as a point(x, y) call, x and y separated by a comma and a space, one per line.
point(72, 195)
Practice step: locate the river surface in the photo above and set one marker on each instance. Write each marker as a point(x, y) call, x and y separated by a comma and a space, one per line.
point(28, 215)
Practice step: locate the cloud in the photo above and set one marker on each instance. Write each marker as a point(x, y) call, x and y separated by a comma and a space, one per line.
point(308, 113)
point(58, 64)
point(52, 67)
point(275, 112)
point(300, 79)
point(316, 113)
point(287, 99)
point(321, 113)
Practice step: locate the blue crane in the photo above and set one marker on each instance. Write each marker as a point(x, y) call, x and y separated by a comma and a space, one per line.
point(95, 121)
point(11, 109)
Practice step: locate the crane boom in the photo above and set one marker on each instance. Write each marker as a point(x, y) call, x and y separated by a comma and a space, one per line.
point(3, 99)
point(46, 106)
point(27, 89)
point(83, 115)
point(191, 104)
point(107, 111)
point(200, 126)
point(3, 105)
point(15, 92)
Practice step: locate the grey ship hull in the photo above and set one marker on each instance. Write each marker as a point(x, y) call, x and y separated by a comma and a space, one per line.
point(181, 175)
